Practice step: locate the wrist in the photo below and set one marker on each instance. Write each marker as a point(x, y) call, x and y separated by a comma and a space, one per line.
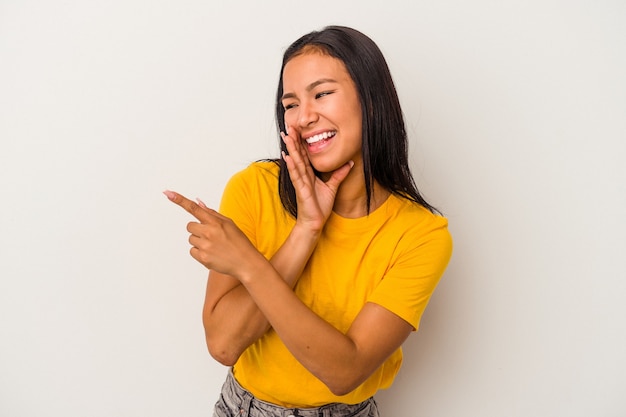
point(253, 266)
point(306, 232)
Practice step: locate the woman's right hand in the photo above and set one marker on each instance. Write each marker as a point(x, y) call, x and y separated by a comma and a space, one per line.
point(315, 197)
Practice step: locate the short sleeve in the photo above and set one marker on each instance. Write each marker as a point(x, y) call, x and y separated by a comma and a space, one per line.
point(239, 200)
point(422, 256)
point(251, 200)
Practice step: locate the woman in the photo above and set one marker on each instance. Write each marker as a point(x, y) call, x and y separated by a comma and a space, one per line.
point(322, 262)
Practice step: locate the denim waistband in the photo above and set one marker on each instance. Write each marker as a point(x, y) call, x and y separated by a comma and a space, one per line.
point(237, 401)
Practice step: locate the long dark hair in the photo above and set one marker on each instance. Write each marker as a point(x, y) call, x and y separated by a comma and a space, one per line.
point(384, 142)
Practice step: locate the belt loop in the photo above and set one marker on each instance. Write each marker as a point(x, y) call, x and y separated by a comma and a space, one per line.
point(244, 408)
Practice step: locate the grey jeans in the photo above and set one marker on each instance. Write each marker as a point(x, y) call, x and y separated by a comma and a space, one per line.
point(235, 401)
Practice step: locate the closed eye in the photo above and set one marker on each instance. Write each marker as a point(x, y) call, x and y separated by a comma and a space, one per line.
point(323, 93)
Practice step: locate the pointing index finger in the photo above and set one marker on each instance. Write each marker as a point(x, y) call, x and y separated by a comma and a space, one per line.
point(191, 207)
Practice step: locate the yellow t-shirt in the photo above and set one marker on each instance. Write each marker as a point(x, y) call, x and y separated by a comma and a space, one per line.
point(393, 257)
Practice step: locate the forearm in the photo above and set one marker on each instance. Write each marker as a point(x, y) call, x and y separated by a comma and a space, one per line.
point(231, 324)
point(341, 361)
point(290, 259)
point(232, 320)
point(331, 356)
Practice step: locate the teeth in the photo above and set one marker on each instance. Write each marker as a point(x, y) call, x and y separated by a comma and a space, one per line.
point(319, 137)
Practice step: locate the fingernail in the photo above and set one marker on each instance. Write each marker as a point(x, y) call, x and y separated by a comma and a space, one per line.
point(351, 163)
point(169, 194)
point(201, 203)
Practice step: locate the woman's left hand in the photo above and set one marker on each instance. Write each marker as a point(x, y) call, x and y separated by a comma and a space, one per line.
point(217, 243)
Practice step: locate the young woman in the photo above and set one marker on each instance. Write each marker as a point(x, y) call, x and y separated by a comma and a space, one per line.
point(321, 262)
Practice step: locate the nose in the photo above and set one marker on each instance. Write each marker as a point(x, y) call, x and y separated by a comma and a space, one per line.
point(307, 114)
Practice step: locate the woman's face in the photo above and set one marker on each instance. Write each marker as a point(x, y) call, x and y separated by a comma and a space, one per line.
point(322, 109)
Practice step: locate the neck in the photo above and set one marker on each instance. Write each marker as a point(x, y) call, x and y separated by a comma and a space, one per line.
point(351, 198)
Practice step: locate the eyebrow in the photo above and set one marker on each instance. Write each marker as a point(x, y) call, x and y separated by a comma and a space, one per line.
point(310, 87)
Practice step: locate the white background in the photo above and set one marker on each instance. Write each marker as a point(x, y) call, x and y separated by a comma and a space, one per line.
point(517, 117)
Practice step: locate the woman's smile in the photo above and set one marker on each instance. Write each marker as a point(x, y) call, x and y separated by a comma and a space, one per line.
point(322, 105)
point(320, 141)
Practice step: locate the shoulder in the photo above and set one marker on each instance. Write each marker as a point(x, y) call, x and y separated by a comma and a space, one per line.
point(260, 169)
point(414, 215)
point(251, 199)
point(258, 177)
point(420, 226)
